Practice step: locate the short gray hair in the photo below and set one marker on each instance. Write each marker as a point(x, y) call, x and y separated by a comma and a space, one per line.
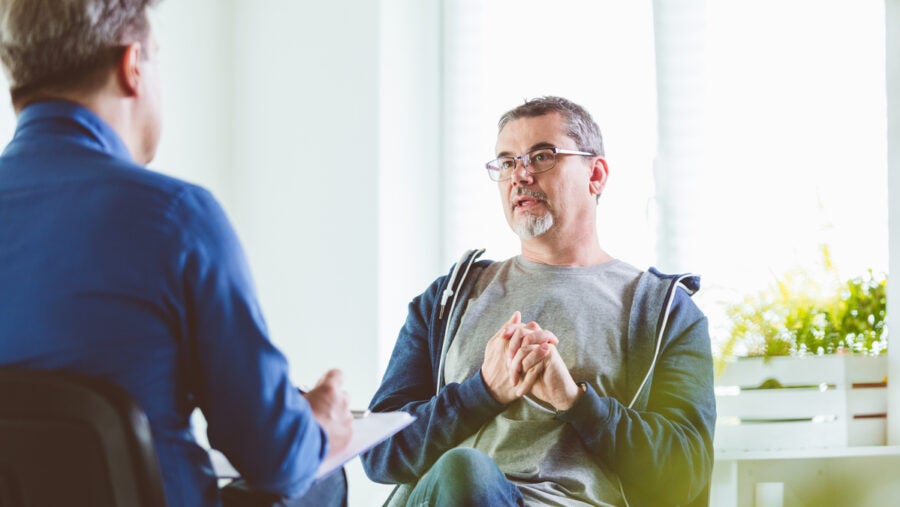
point(60, 45)
point(580, 126)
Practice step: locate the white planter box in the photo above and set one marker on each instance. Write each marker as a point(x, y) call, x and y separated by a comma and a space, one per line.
point(827, 401)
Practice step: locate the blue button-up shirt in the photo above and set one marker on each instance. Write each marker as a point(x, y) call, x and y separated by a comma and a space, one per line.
point(110, 269)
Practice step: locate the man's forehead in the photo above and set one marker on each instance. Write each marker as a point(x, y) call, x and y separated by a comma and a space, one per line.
point(526, 132)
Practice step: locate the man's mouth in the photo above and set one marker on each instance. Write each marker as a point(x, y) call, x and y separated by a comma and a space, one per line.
point(525, 202)
point(526, 199)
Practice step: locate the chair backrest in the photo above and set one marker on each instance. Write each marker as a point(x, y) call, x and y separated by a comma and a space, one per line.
point(67, 439)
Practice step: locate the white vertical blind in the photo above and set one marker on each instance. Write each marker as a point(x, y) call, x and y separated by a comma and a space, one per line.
point(596, 53)
point(409, 184)
point(892, 59)
point(679, 35)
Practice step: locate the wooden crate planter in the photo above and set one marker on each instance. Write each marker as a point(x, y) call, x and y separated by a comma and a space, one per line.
point(827, 401)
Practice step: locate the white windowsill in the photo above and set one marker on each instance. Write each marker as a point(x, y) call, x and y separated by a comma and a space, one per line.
point(837, 452)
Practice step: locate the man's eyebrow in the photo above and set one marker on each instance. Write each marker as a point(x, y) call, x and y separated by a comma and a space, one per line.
point(539, 146)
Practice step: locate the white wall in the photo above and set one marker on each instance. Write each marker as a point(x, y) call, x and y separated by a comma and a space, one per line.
point(305, 178)
point(278, 110)
point(195, 61)
point(306, 182)
point(411, 160)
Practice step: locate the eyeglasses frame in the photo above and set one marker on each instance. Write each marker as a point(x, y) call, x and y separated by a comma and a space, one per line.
point(526, 162)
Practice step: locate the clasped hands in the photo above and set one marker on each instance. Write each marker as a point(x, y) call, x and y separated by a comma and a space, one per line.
point(522, 359)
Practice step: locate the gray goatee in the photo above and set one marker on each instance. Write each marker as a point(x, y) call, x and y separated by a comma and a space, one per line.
point(533, 225)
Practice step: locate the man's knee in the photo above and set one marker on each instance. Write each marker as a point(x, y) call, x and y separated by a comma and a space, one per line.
point(464, 462)
point(465, 477)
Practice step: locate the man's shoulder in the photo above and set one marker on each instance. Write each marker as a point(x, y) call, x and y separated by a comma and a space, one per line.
point(147, 196)
point(690, 282)
point(151, 186)
point(151, 180)
point(657, 291)
point(461, 270)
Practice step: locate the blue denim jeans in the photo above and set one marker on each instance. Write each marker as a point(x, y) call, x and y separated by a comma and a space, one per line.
point(464, 477)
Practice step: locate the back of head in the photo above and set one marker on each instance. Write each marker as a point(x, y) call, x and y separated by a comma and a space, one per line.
point(581, 127)
point(53, 47)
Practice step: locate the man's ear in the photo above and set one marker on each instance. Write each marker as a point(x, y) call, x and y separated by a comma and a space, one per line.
point(129, 70)
point(599, 174)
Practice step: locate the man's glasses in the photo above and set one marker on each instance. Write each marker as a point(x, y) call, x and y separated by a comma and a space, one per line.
point(536, 161)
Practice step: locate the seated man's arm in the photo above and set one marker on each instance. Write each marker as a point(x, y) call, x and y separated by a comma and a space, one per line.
point(409, 385)
point(662, 452)
point(240, 381)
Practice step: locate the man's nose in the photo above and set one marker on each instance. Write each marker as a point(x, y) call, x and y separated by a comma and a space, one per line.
point(521, 175)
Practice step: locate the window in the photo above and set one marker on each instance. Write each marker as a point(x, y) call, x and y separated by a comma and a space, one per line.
point(740, 136)
point(600, 55)
point(796, 143)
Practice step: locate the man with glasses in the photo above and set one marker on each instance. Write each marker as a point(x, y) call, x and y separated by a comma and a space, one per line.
point(561, 376)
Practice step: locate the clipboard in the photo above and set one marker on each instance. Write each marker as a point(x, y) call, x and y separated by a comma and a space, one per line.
point(369, 429)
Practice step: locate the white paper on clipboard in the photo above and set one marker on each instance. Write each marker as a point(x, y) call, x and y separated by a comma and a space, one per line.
point(368, 431)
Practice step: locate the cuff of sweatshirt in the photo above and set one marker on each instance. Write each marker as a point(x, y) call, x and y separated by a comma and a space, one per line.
point(590, 410)
point(476, 399)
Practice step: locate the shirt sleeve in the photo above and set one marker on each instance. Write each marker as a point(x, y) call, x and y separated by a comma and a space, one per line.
point(238, 378)
point(442, 421)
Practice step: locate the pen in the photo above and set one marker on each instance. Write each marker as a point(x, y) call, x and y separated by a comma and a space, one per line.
point(360, 414)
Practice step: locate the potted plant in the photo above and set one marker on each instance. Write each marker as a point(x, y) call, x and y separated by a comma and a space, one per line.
point(805, 365)
point(801, 313)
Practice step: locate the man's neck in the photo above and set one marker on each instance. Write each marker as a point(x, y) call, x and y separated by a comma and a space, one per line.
point(579, 252)
point(114, 109)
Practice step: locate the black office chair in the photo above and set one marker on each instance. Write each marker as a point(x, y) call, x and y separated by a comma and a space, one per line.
point(66, 439)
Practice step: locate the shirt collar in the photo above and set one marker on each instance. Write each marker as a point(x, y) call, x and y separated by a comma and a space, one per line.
point(68, 118)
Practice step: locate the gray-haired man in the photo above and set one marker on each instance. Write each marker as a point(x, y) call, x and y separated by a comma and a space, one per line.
point(561, 376)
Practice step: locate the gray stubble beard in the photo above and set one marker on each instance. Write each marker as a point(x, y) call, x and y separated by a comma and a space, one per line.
point(533, 225)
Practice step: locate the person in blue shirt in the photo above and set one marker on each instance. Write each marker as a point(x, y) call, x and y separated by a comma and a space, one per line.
point(112, 270)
